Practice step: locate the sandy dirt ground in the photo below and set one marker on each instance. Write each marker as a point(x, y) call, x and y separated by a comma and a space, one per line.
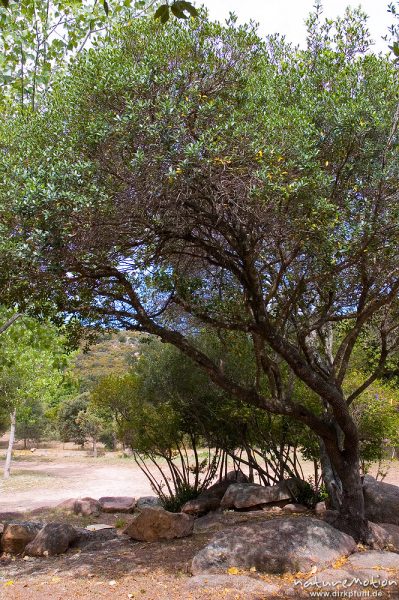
point(50, 475)
point(35, 483)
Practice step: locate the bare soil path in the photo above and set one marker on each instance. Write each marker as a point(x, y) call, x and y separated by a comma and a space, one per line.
point(50, 475)
point(46, 478)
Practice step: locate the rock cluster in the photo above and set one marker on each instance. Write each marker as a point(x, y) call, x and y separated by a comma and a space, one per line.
point(246, 537)
point(237, 493)
point(90, 507)
point(36, 539)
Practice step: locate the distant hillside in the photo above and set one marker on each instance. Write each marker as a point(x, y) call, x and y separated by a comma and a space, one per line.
point(112, 353)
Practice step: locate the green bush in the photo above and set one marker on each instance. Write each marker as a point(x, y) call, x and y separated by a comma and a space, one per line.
point(309, 495)
point(181, 495)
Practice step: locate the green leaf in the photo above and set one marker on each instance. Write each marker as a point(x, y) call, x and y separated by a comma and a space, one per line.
point(162, 13)
point(395, 48)
point(106, 7)
point(5, 3)
point(182, 5)
point(179, 14)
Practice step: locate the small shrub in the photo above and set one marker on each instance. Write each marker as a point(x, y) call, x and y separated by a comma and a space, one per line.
point(309, 495)
point(182, 495)
point(119, 523)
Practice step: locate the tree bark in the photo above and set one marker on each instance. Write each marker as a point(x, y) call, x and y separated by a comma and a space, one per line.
point(331, 480)
point(351, 517)
point(7, 466)
point(9, 322)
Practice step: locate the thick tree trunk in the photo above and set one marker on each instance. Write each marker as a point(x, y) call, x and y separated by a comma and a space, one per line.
point(7, 466)
point(351, 517)
point(352, 508)
point(330, 478)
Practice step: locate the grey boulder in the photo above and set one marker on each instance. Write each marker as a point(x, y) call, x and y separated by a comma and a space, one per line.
point(210, 499)
point(213, 521)
point(203, 504)
point(275, 546)
point(90, 540)
point(248, 495)
point(381, 501)
point(147, 502)
point(384, 536)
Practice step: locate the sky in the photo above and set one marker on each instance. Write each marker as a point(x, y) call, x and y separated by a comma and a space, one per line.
point(287, 16)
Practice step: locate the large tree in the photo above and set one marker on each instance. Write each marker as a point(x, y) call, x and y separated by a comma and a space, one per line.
point(193, 174)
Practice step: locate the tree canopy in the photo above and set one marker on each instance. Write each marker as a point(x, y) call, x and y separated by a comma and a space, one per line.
point(194, 174)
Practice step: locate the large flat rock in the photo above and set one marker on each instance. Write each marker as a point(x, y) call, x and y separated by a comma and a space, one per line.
point(117, 504)
point(248, 495)
point(275, 546)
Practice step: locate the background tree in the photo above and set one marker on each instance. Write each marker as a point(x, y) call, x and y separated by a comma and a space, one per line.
point(91, 425)
point(115, 396)
point(32, 422)
point(68, 426)
point(32, 357)
point(209, 178)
